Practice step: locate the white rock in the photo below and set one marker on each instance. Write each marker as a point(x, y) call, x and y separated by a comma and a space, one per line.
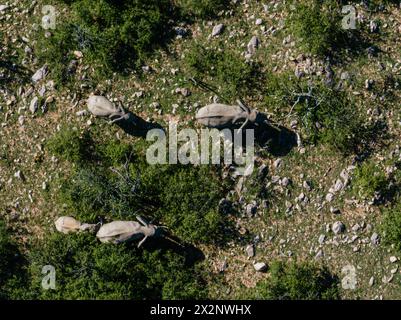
point(338, 227)
point(21, 120)
point(3, 7)
point(260, 266)
point(375, 239)
point(40, 74)
point(250, 251)
point(277, 163)
point(329, 197)
point(217, 30)
point(393, 259)
point(253, 45)
point(338, 186)
point(33, 107)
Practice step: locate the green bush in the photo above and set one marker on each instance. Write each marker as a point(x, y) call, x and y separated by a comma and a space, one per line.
point(369, 180)
point(201, 8)
point(87, 269)
point(226, 70)
point(113, 35)
point(391, 226)
point(114, 152)
point(189, 199)
point(317, 25)
point(71, 145)
point(303, 281)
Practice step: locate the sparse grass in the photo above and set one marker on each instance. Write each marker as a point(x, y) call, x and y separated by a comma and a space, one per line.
point(71, 145)
point(202, 8)
point(391, 226)
point(225, 69)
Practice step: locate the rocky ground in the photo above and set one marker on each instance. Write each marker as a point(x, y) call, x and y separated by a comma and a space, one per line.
point(312, 215)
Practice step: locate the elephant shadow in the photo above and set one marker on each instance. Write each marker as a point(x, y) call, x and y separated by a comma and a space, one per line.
point(136, 126)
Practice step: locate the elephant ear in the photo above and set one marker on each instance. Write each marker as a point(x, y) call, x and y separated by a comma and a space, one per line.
point(243, 106)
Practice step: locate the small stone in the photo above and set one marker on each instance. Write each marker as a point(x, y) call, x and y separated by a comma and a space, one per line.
point(373, 27)
point(285, 182)
point(322, 238)
point(329, 197)
point(338, 186)
point(356, 227)
point(40, 74)
point(19, 175)
point(217, 30)
point(338, 227)
point(78, 54)
point(33, 107)
point(307, 186)
point(223, 266)
point(277, 163)
point(253, 45)
point(250, 251)
point(369, 84)
point(21, 120)
point(371, 281)
point(262, 171)
point(258, 22)
point(344, 76)
point(251, 209)
point(319, 254)
point(393, 259)
point(81, 113)
point(335, 210)
point(375, 239)
point(260, 266)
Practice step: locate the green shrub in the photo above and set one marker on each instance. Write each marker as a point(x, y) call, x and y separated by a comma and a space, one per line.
point(369, 180)
point(71, 145)
point(114, 152)
point(201, 8)
point(87, 269)
point(226, 70)
point(391, 226)
point(189, 199)
point(317, 25)
point(303, 281)
point(113, 35)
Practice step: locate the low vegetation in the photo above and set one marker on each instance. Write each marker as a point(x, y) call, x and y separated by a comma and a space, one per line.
point(298, 281)
point(86, 269)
